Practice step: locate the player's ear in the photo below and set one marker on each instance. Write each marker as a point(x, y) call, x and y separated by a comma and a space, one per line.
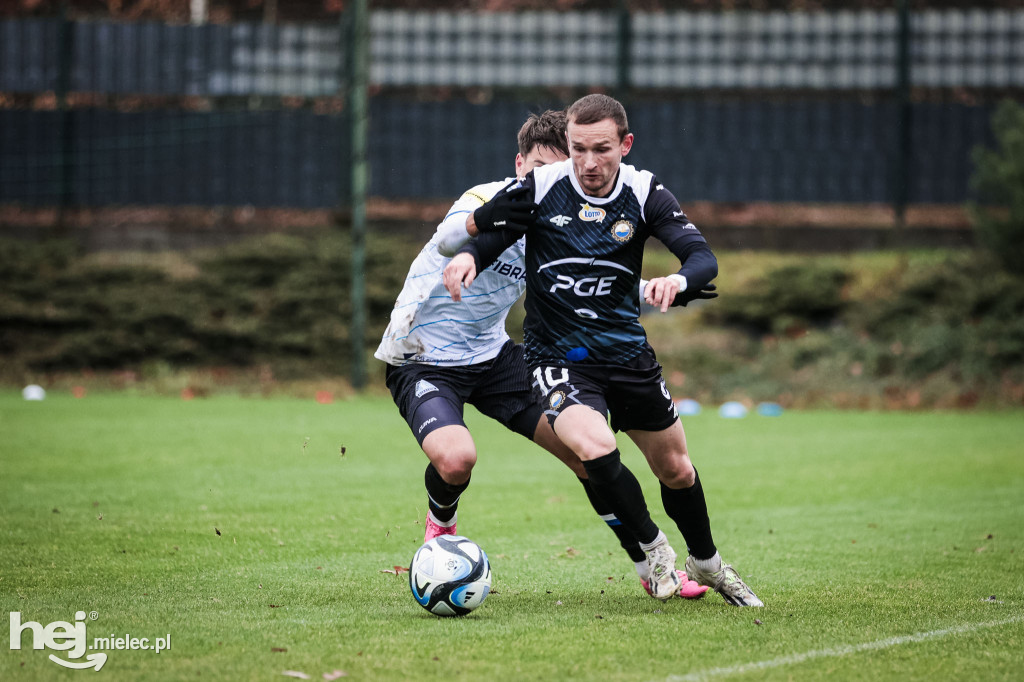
point(627, 143)
point(520, 161)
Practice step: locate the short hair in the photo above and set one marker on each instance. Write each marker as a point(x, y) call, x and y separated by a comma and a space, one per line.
point(544, 130)
point(596, 108)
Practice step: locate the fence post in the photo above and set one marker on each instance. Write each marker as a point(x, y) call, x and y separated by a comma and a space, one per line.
point(359, 117)
point(904, 142)
point(624, 48)
point(65, 36)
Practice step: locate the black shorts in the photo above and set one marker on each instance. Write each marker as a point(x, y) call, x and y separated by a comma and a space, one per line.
point(430, 396)
point(633, 394)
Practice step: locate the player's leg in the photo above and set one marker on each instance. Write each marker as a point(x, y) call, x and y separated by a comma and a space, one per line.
point(646, 412)
point(505, 394)
point(546, 438)
point(684, 501)
point(452, 455)
point(430, 401)
point(576, 409)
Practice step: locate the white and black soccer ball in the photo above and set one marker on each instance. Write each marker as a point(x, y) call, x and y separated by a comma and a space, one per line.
point(450, 575)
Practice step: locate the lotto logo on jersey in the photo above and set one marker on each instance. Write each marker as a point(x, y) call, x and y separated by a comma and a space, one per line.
point(591, 214)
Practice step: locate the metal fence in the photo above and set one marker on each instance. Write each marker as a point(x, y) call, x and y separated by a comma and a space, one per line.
point(739, 106)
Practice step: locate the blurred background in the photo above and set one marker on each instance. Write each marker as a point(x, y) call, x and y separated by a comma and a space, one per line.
point(205, 195)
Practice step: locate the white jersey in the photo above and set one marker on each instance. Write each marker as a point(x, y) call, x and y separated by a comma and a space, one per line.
point(426, 326)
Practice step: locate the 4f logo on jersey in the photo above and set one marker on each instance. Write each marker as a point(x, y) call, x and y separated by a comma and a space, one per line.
point(591, 214)
point(561, 220)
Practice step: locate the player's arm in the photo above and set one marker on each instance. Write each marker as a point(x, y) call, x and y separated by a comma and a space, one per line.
point(501, 222)
point(698, 264)
point(458, 227)
point(473, 258)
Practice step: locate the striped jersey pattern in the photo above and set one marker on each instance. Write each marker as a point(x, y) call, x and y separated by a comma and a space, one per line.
point(584, 256)
point(427, 327)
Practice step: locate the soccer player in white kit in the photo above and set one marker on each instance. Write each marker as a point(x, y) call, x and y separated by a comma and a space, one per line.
point(442, 355)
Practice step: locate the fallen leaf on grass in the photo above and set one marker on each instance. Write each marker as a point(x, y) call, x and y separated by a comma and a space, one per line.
point(757, 622)
point(216, 530)
point(335, 675)
point(395, 570)
point(295, 673)
point(278, 649)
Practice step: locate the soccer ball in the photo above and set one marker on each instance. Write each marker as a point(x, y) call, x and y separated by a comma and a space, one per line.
point(450, 575)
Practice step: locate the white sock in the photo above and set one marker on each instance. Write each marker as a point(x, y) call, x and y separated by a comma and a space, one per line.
point(643, 570)
point(713, 564)
point(648, 546)
point(443, 524)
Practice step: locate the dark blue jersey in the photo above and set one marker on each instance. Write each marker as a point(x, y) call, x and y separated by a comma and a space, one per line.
point(583, 260)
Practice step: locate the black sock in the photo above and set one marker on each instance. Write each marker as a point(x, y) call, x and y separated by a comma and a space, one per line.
point(442, 497)
point(626, 539)
point(618, 487)
point(688, 508)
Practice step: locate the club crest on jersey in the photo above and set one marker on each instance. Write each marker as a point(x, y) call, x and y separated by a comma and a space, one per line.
point(423, 387)
point(591, 214)
point(556, 400)
point(622, 231)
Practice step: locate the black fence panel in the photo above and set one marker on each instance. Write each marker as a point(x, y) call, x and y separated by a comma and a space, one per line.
point(259, 158)
point(805, 151)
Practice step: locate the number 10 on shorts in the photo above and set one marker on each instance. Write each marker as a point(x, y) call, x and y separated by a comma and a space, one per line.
point(546, 378)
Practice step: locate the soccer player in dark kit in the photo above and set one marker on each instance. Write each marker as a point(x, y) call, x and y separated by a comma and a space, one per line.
point(442, 356)
point(587, 351)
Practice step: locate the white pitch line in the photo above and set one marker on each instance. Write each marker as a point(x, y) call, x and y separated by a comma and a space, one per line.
point(712, 673)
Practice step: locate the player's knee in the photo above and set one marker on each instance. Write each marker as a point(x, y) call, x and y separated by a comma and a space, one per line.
point(678, 474)
point(455, 465)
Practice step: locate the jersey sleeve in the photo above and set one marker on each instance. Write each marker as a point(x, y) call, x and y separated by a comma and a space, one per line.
point(667, 220)
point(670, 225)
point(451, 233)
point(486, 247)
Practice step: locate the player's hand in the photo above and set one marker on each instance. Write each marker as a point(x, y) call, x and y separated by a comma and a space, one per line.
point(460, 270)
point(508, 210)
point(684, 297)
point(661, 291)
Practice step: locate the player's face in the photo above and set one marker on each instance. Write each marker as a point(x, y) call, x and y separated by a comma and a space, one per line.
point(538, 156)
point(596, 151)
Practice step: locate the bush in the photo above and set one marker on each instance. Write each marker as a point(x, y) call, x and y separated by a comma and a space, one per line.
point(794, 296)
point(999, 182)
point(274, 299)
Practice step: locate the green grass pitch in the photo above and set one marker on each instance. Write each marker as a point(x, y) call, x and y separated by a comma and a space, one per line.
point(259, 534)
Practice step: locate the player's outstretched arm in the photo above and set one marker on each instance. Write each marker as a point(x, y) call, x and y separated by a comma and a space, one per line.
point(461, 270)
